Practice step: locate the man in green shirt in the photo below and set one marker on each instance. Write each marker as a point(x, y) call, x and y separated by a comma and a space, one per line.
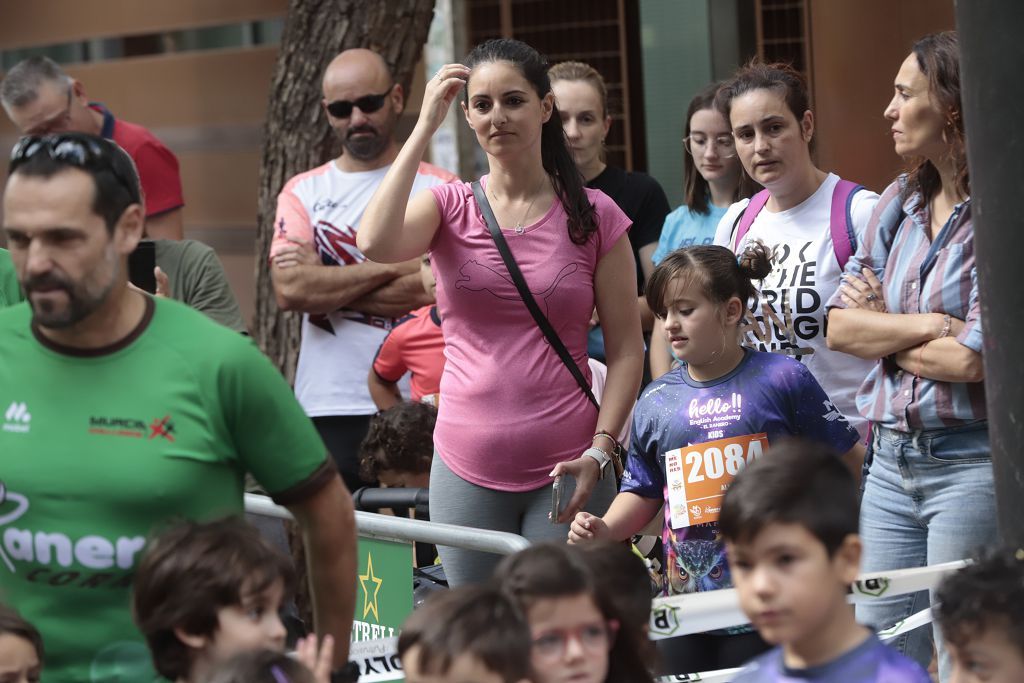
point(119, 411)
point(10, 291)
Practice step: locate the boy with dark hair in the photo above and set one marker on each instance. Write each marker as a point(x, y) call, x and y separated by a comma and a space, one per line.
point(980, 614)
point(399, 446)
point(205, 592)
point(473, 633)
point(789, 522)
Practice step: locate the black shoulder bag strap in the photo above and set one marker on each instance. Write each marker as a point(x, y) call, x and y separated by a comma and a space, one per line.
point(527, 295)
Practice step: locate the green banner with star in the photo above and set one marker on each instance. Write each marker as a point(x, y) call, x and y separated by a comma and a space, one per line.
point(383, 589)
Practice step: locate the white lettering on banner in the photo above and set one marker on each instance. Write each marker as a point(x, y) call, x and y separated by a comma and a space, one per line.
point(377, 659)
point(365, 631)
point(53, 548)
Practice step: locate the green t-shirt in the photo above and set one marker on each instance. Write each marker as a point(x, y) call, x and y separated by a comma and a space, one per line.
point(96, 450)
point(10, 290)
point(197, 278)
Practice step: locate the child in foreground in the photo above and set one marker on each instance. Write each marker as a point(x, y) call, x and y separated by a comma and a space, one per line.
point(472, 634)
point(207, 592)
point(789, 523)
point(21, 649)
point(698, 425)
point(981, 615)
point(578, 633)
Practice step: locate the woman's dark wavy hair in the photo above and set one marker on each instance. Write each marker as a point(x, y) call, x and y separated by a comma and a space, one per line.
point(555, 155)
point(938, 58)
point(556, 570)
point(697, 193)
point(778, 77)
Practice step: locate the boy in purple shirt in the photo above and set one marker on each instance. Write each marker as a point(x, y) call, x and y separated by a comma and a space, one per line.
point(789, 522)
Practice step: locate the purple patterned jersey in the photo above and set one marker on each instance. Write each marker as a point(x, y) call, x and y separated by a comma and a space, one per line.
point(766, 394)
point(870, 662)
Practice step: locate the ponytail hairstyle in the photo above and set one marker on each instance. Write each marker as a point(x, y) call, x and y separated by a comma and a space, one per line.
point(555, 156)
point(715, 269)
point(556, 570)
point(938, 57)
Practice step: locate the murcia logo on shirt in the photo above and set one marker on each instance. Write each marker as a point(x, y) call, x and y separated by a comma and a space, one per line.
point(133, 428)
point(17, 418)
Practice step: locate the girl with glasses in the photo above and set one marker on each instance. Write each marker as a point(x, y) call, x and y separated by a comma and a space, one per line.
point(712, 181)
point(810, 218)
point(575, 628)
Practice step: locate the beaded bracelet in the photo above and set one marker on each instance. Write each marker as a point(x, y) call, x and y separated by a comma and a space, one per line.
point(947, 323)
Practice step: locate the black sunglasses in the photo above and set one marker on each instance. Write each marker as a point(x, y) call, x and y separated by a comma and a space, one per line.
point(342, 109)
point(77, 150)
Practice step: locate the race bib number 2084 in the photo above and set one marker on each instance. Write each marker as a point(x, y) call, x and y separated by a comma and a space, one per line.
point(699, 475)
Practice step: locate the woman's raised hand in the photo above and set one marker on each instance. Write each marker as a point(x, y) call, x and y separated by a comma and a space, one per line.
point(441, 91)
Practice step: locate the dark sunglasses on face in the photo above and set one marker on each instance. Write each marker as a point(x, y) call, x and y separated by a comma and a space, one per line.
point(342, 109)
point(75, 149)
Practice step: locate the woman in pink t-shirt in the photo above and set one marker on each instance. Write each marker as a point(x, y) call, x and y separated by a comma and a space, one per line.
point(512, 416)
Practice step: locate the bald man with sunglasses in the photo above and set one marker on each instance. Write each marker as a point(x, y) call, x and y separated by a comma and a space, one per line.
point(348, 302)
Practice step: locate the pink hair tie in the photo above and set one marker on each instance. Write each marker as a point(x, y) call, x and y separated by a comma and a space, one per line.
point(279, 676)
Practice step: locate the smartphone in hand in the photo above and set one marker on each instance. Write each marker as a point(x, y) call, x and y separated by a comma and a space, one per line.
point(562, 491)
point(142, 266)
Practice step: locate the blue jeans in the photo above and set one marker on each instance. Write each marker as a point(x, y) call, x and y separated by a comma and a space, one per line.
point(929, 497)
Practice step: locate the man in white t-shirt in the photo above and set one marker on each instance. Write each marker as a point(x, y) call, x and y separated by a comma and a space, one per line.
point(348, 303)
point(789, 314)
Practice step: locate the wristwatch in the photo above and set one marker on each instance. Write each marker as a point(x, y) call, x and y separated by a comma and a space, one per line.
point(346, 674)
point(601, 457)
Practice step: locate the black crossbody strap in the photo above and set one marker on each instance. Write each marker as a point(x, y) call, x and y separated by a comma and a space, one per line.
point(527, 295)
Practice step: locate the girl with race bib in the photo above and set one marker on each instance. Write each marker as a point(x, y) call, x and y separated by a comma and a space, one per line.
point(812, 219)
point(713, 181)
point(701, 423)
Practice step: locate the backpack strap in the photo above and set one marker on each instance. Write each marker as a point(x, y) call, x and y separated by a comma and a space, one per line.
point(840, 222)
point(747, 217)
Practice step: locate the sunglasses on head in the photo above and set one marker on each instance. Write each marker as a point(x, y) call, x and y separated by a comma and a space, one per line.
point(75, 149)
point(342, 109)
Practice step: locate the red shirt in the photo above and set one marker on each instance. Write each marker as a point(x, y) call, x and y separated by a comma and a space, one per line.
point(157, 165)
point(414, 345)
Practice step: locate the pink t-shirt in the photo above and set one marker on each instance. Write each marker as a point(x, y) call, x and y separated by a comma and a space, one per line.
point(511, 409)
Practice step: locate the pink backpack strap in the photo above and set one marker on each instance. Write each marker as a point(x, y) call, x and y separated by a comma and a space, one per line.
point(840, 222)
point(747, 217)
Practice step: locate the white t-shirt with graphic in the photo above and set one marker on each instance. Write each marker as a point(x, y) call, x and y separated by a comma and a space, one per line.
point(789, 316)
point(324, 205)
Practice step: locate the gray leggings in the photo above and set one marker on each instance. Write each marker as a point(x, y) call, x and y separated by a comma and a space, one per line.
point(453, 500)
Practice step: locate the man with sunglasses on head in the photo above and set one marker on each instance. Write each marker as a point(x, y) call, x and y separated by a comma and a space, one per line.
point(349, 303)
point(121, 411)
point(40, 99)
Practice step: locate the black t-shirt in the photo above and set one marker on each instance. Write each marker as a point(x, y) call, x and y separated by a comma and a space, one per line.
point(641, 198)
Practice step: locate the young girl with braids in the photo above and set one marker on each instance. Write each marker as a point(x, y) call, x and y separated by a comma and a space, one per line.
point(698, 425)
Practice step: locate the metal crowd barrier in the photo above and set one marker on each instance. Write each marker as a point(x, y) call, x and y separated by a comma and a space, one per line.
point(387, 528)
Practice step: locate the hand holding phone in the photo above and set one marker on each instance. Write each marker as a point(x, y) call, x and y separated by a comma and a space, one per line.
point(562, 491)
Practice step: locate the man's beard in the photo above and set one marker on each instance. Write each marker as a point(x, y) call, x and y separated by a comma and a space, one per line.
point(371, 142)
point(84, 298)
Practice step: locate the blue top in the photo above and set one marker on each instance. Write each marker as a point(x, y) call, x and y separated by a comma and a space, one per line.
point(766, 393)
point(870, 662)
point(684, 228)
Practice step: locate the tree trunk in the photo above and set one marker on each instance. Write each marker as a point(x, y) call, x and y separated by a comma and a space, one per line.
point(296, 136)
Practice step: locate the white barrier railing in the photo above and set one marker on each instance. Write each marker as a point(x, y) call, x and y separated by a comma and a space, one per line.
point(681, 615)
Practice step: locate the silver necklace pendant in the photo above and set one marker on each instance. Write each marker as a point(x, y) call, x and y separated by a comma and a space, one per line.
point(520, 229)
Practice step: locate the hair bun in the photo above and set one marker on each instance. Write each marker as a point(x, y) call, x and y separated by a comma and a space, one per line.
point(757, 260)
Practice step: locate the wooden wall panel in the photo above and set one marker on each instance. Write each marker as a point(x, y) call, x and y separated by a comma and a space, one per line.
point(28, 23)
point(856, 50)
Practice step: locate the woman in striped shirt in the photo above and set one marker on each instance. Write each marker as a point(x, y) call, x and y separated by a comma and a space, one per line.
point(910, 302)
